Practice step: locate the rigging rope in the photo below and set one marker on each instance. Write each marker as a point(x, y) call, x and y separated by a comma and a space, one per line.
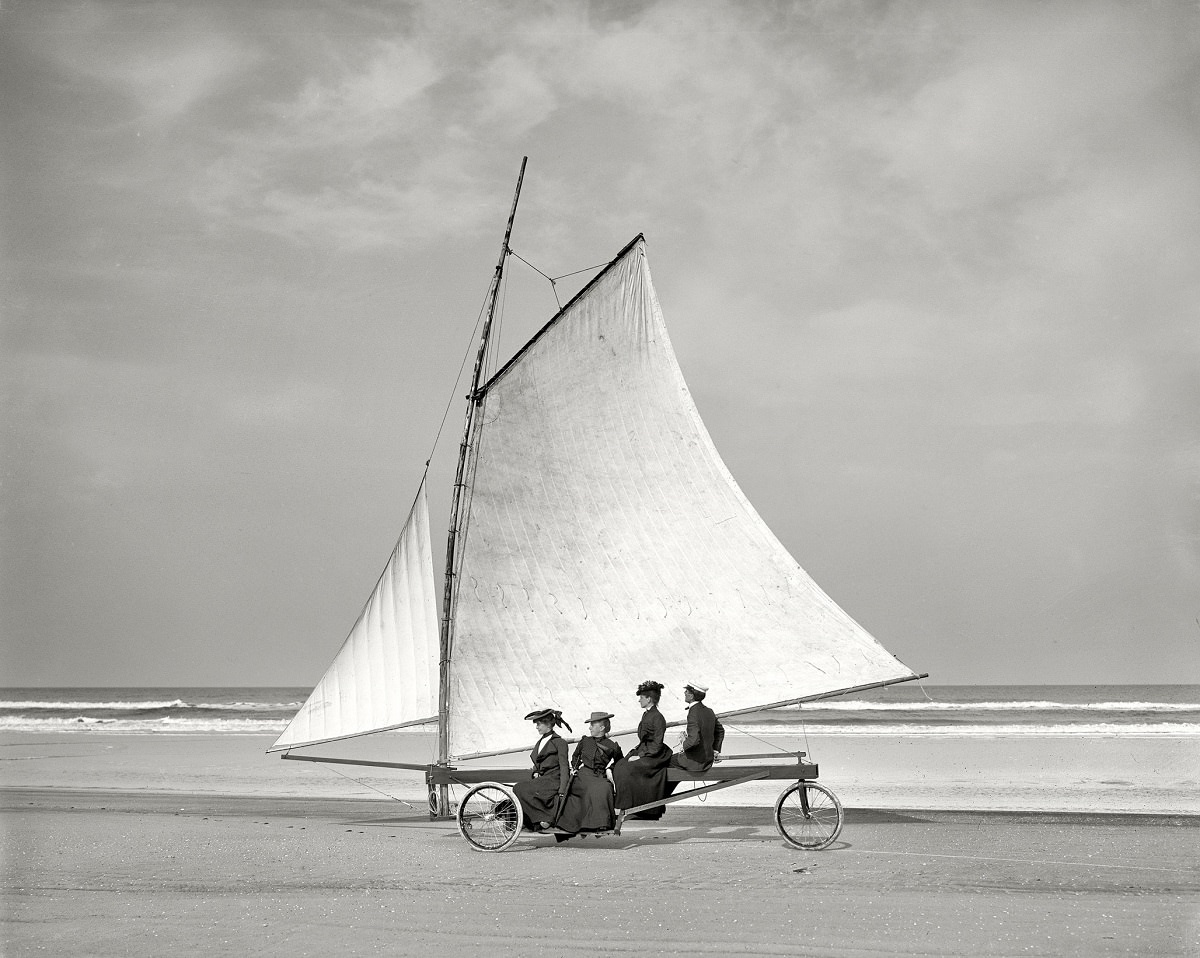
point(553, 288)
point(458, 378)
point(742, 731)
point(803, 730)
point(530, 265)
point(365, 785)
point(553, 280)
point(578, 271)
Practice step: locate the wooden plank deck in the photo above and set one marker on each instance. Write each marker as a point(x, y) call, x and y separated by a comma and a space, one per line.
point(720, 772)
point(442, 775)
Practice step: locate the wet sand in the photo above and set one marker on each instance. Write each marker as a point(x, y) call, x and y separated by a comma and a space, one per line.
point(1153, 774)
point(159, 845)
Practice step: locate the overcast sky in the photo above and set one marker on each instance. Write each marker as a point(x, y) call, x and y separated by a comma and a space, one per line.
point(932, 270)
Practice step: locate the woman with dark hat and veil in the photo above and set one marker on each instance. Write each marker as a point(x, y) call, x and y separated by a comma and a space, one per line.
point(641, 776)
point(541, 795)
point(589, 803)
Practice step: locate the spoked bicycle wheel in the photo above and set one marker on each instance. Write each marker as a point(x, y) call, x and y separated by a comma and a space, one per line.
point(809, 816)
point(489, 817)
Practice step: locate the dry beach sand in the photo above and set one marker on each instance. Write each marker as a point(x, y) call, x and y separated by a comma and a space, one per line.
point(160, 845)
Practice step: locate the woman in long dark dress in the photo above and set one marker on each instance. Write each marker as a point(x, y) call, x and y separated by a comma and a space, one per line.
point(589, 803)
point(541, 793)
point(642, 775)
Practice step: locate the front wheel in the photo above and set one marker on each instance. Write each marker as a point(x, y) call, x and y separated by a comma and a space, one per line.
point(809, 816)
point(489, 817)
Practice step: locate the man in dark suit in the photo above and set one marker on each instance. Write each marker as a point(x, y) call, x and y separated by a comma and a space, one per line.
point(705, 734)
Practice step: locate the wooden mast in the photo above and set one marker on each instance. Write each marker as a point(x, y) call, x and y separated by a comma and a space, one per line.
point(460, 509)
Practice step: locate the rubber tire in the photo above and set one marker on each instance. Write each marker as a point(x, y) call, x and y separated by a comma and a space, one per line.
point(489, 817)
point(824, 823)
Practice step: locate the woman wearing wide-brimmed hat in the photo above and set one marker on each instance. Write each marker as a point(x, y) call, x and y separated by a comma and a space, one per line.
point(642, 775)
point(589, 804)
point(541, 795)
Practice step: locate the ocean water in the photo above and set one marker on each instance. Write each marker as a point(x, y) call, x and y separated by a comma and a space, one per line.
point(177, 711)
point(911, 709)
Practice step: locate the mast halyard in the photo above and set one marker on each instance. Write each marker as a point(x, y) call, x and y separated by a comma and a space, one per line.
point(460, 508)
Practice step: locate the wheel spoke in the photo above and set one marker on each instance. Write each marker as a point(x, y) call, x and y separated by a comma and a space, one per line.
point(808, 815)
point(489, 817)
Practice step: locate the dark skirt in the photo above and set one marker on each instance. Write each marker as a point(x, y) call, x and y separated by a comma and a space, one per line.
point(589, 805)
point(538, 798)
point(642, 781)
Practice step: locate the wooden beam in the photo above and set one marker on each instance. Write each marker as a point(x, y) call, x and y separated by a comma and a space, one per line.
point(450, 775)
point(691, 792)
point(352, 761)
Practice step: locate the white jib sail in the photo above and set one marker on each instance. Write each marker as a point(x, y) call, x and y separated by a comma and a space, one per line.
point(609, 544)
point(386, 673)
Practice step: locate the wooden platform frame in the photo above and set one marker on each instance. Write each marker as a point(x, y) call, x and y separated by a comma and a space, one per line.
point(725, 774)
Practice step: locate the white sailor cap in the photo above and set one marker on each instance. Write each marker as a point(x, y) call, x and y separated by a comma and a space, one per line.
point(697, 686)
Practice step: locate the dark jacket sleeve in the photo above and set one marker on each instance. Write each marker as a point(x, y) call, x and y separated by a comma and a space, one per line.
point(693, 729)
point(617, 753)
point(651, 730)
point(718, 735)
point(658, 729)
point(577, 755)
point(564, 766)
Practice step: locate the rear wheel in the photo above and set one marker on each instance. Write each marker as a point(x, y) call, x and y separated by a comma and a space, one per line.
point(809, 816)
point(489, 817)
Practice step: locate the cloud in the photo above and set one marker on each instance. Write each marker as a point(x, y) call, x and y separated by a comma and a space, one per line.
point(169, 83)
point(372, 96)
point(516, 95)
point(432, 105)
point(355, 207)
point(359, 156)
point(931, 269)
point(163, 63)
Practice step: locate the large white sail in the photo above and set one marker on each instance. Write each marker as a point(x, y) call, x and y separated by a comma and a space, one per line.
point(608, 544)
point(386, 673)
